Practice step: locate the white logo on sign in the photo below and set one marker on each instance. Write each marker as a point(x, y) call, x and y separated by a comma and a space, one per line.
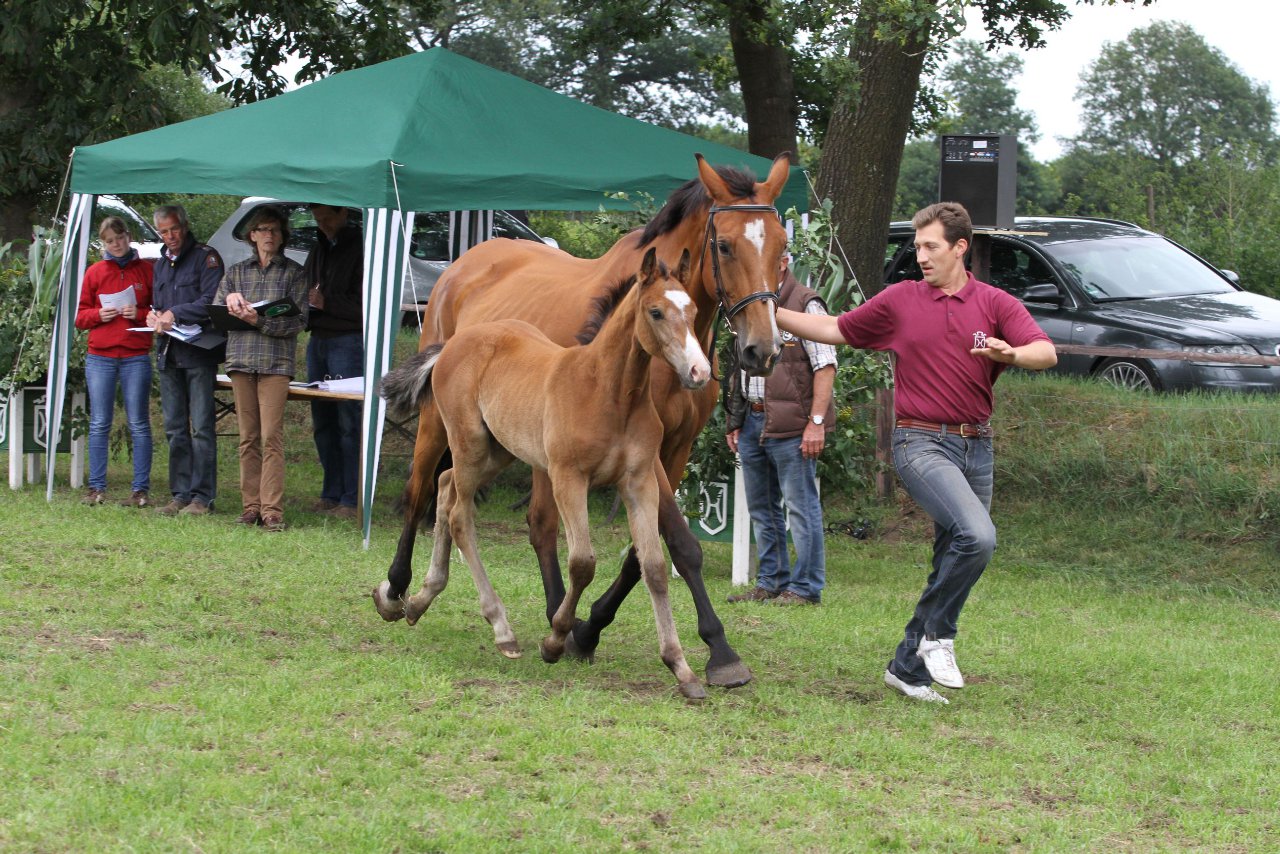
point(714, 507)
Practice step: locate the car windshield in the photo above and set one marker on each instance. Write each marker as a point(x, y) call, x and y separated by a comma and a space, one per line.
point(1124, 268)
point(139, 228)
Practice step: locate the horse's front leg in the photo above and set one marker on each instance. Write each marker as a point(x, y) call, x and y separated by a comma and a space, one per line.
point(642, 501)
point(428, 448)
point(725, 668)
point(570, 490)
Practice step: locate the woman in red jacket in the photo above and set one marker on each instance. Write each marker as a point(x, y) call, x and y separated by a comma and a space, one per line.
point(116, 296)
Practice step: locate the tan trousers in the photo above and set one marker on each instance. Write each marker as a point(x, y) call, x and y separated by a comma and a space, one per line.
point(260, 401)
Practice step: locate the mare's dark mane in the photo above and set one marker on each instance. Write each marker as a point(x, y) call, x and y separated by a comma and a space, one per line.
point(692, 196)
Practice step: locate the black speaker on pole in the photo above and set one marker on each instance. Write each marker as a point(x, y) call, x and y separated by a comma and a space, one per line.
point(980, 171)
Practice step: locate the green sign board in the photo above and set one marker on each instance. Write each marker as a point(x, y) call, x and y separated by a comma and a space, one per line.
point(34, 423)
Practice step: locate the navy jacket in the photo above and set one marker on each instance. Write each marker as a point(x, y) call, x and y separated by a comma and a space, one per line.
point(185, 285)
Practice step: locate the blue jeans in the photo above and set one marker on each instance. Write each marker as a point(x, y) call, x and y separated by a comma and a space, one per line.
point(337, 424)
point(186, 401)
point(951, 479)
point(773, 471)
point(133, 373)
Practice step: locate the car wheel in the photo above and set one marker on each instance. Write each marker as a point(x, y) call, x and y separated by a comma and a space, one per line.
point(1128, 373)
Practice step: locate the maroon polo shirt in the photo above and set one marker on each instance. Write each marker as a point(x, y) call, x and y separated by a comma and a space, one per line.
point(936, 377)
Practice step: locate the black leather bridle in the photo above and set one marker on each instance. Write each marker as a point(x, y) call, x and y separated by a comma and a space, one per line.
point(729, 311)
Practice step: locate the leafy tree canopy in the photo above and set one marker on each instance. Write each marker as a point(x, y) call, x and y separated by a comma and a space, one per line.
point(1166, 94)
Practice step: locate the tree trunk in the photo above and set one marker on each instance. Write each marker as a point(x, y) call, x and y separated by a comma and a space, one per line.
point(862, 150)
point(15, 218)
point(764, 72)
point(17, 209)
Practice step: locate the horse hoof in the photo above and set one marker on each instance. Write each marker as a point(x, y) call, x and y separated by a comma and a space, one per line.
point(414, 611)
point(510, 649)
point(574, 651)
point(732, 675)
point(390, 609)
point(693, 691)
point(549, 656)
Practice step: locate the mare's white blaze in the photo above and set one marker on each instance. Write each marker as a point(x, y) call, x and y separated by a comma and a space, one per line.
point(755, 233)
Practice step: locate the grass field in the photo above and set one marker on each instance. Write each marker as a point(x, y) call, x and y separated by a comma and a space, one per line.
point(176, 685)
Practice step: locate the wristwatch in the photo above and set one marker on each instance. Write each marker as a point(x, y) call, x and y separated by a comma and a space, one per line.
point(817, 419)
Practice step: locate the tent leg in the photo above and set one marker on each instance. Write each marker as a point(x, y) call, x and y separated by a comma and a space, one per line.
point(79, 446)
point(15, 439)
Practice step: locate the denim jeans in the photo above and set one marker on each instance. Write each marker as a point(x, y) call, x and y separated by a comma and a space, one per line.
point(133, 373)
point(773, 472)
point(186, 401)
point(337, 424)
point(951, 479)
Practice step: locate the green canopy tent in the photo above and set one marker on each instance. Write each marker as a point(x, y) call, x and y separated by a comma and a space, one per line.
point(430, 131)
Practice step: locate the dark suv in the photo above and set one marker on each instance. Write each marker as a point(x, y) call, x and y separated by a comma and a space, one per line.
point(1106, 283)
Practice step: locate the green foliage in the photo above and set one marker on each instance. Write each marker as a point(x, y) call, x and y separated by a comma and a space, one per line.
point(592, 235)
point(1165, 93)
point(28, 294)
point(815, 259)
point(76, 74)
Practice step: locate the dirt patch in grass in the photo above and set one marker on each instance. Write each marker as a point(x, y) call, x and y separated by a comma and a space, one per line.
point(909, 524)
point(48, 638)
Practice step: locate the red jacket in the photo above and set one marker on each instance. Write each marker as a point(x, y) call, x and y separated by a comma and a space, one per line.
point(111, 338)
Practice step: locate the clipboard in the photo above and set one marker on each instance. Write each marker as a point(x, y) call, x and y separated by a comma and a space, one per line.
point(226, 321)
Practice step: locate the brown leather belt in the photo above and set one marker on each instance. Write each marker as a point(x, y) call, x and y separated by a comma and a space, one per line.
point(756, 407)
point(967, 431)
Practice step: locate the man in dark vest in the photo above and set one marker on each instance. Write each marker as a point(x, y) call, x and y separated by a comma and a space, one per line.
point(778, 426)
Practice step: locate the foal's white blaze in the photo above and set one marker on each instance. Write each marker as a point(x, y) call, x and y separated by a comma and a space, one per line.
point(695, 361)
point(680, 299)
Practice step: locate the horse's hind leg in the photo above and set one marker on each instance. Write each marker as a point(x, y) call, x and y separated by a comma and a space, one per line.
point(641, 503)
point(428, 447)
point(544, 529)
point(438, 573)
point(462, 524)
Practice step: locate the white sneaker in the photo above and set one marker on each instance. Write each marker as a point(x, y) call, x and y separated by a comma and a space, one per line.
point(915, 692)
point(940, 660)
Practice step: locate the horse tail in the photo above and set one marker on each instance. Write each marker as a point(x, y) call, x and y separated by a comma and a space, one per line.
point(408, 387)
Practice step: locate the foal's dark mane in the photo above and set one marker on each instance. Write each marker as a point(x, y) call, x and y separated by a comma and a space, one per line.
point(603, 306)
point(692, 196)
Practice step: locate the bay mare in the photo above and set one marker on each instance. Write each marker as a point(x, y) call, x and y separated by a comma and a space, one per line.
point(725, 220)
point(583, 415)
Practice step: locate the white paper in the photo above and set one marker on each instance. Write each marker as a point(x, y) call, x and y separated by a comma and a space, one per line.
point(123, 299)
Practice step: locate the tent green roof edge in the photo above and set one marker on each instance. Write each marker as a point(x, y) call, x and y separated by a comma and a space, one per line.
point(428, 131)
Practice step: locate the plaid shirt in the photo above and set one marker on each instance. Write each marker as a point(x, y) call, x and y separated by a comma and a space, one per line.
point(820, 356)
point(272, 347)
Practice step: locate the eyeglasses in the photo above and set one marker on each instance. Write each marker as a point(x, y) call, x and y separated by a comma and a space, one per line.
point(267, 229)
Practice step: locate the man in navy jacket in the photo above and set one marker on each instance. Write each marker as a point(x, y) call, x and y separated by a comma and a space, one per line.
point(186, 276)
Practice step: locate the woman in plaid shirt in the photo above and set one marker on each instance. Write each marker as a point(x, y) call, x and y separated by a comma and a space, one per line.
point(261, 362)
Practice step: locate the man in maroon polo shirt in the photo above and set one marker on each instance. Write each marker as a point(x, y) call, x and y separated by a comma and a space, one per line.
point(953, 336)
